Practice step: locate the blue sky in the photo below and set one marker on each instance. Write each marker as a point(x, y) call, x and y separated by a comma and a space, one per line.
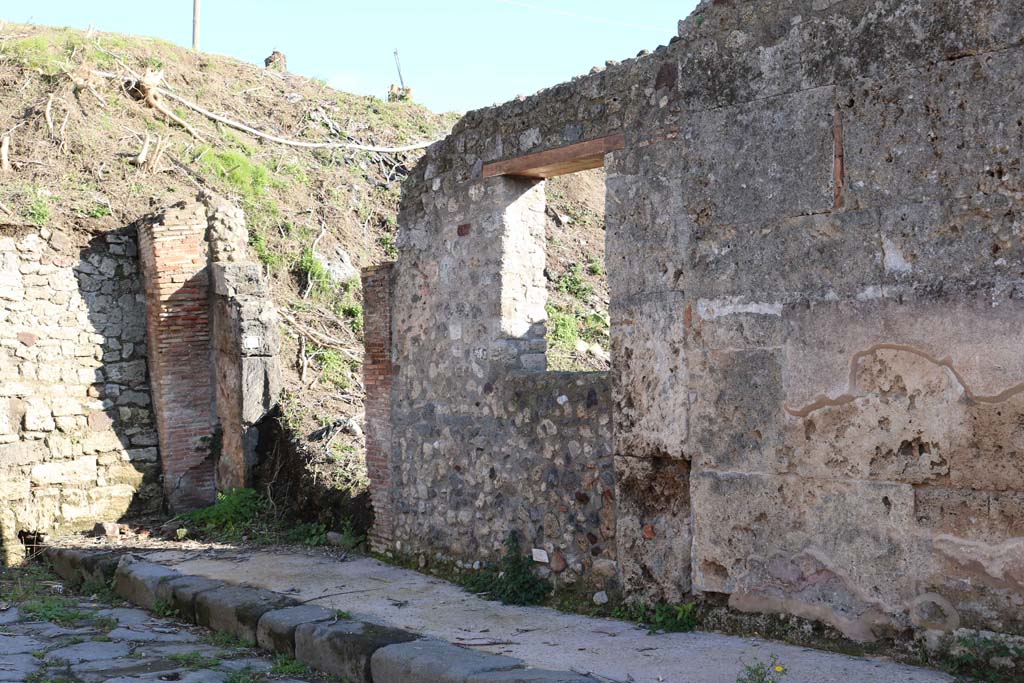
point(456, 54)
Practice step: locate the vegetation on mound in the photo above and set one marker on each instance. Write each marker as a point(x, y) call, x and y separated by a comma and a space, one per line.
point(245, 514)
point(315, 215)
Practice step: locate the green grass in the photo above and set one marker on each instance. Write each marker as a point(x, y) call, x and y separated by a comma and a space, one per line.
point(511, 581)
point(267, 256)
point(335, 369)
point(39, 210)
point(573, 284)
point(55, 608)
point(283, 664)
point(162, 608)
point(246, 177)
point(343, 614)
point(234, 513)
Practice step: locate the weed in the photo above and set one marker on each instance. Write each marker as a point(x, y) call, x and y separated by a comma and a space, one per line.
point(387, 243)
point(283, 664)
point(248, 178)
point(310, 533)
point(318, 280)
point(680, 618)
point(595, 268)
point(512, 581)
point(243, 676)
point(102, 639)
point(761, 672)
point(563, 330)
point(972, 655)
point(233, 514)
point(98, 590)
point(162, 608)
point(98, 211)
point(335, 368)
point(271, 259)
point(342, 614)
point(55, 608)
point(573, 284)
point(39, 210)
point(104, 623)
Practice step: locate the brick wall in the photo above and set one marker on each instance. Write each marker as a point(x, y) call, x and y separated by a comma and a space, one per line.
point(378, 371)
point(173, 252)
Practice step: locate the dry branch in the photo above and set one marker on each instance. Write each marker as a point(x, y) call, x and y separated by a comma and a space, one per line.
point(5, 153)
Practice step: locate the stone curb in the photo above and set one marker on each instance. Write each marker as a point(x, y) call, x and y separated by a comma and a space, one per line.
point(359, 651)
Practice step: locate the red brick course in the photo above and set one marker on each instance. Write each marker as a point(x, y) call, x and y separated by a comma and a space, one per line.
point(173, 252)
point(377, 376)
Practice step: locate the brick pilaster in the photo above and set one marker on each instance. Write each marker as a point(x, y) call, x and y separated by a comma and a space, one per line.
point(377, 376)
point(173, 253)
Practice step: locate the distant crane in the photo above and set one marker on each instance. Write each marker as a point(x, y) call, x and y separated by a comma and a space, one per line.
point(398, 64)
point(195, 25)
point(399, 93)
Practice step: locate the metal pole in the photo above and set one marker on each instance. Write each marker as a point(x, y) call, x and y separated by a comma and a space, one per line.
point(195, 25)
point(398, 64)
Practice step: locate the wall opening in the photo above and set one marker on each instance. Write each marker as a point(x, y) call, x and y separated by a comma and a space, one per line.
point(577, 328)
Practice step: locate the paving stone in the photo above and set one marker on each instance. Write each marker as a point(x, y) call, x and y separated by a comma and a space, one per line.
point(434, 661)
point(137, 582)
point(9, 616)
point(17, 668)
point(126, 616)
point(237, 610)
point(180, 593)
point(15, 645)
point(88, 651)
point(172, 649)
point(143, 634)
point(529, 676)
point(254, 664)
point(276, 629)
point(100, 671)
point(345, 648)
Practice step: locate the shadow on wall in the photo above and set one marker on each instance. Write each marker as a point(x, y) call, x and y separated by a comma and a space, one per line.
point(77, 438)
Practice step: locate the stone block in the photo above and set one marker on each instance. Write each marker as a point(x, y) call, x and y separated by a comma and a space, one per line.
point(276, 629)
point(67, 562)
point(345, 648)
point(137, 582)
point(77, 472)
point(181, 592)
point(237, 610)
point(530, 676)
point(435, 661)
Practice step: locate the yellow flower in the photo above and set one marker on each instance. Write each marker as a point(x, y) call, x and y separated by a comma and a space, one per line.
point(780, 668)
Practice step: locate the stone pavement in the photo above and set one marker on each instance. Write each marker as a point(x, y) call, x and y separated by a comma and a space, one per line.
point(609, 650)
point(96, 643)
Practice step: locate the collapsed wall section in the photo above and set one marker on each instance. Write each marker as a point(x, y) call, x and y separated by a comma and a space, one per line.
point(78, 441)
point(816, 300)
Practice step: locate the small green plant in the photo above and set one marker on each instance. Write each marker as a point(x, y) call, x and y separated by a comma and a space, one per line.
point(248, 178)
point(225, 639)
point(512, 580)
point(243, 676)
point(762, 672)
point(318, 279)
point(267, 256)
point(681, 618)
point(233, 514)
point(162, 608)
point(563, 329)
point(342, 614)
point(573, 284)
point(55, 608)
point(39, 210)
point(308, 533)
point(971, 655)
point(335, 368)
point(595, 268)
point(283, 664)
point(387, 242)
point(98, 211)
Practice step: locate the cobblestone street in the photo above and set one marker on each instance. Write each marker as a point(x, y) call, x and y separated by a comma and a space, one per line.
point(49, 635)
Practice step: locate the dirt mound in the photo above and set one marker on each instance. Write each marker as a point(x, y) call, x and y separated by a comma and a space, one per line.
point(89, 153)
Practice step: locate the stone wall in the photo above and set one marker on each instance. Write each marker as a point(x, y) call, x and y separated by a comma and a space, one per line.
point(77, 438)
point(813, 250)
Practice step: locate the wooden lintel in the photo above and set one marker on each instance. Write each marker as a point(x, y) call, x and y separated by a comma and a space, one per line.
point(559, 161)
